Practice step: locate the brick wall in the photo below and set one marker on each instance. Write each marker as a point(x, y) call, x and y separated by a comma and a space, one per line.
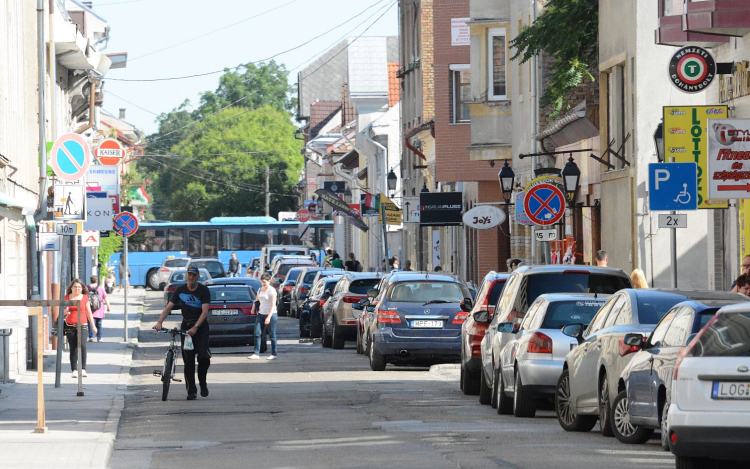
point(427, 60)
point(587, 90)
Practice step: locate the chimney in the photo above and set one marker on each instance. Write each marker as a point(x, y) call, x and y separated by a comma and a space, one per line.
point(122, 113)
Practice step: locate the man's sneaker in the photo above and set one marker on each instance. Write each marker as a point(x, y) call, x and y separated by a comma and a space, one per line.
point(91, 339)
point(254, 356)
point(192, 396)
point(83, 373)
point(99, 339)
point(74, 374)
point(204, 390)
point(271, 357)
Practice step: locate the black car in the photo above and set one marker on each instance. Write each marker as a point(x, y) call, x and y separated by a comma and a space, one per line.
point(254, 283)
point(230, 315)
point(303, 284)
point(285, 290)
point(310, 324)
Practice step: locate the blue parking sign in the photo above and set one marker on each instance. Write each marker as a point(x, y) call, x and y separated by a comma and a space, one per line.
point(672, 186)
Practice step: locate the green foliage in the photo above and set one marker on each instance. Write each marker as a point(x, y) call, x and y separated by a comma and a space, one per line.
point(107, 246)
point(568, 30)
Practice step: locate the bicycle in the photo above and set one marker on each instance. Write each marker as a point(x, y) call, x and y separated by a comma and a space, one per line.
point(167, 373)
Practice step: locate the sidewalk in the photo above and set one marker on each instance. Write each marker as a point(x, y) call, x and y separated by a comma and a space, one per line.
point(81, 430)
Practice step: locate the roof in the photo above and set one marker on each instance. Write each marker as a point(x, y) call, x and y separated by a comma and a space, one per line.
point(743, 307)
point(361, 275)
point(423, 276)
point(552, 297)
point(321, 112)
point(534, 269)
point(697, 295)
point(394, 89)
point(350, 160)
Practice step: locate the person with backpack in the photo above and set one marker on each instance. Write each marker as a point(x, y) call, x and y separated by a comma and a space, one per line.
point(97, 299)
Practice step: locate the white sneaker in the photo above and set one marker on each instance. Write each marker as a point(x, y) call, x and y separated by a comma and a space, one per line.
point(254, 357)
point(83, 373)
point(271, 357)
point(74, 374)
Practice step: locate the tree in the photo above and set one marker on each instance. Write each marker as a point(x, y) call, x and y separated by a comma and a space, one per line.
point(568, 30)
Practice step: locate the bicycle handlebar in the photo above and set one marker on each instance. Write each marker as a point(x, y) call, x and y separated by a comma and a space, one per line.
point(173, 331)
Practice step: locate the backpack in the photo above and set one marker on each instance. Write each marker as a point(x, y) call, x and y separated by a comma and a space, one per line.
point(94, 299)
point(357, 266)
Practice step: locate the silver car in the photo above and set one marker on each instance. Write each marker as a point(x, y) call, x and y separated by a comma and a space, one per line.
point(531, 363)
point(339, 320)
point(169, 265)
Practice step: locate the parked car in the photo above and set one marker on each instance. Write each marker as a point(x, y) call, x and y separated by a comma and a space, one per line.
point(169, 265)
point(285, 289)
point(249, 281)
point(310, 324)
point(418, 320)
point(523, 287)
point(179, 277)
point(709, 413)
point(646, 382)
point(252, 267)
point(304, 283)
point(211, 264)
point(339, 321)
point(230, 315)
point(472, 332)
point(588, 383)
point(531, 363)
point(282, 265)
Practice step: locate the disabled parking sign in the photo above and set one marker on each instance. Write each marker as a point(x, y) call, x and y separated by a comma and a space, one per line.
point(70, 157)
point(672, 186)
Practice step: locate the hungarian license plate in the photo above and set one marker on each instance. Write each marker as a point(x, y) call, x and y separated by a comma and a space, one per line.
point(426, 323)
point(730, 390)
point(225, 312)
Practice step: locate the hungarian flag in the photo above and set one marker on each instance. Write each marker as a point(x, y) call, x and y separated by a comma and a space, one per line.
point(370, 204)
point(138, 196)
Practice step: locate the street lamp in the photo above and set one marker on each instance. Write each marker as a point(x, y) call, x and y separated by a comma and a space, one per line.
point(391, 179)
point(506, 176)
point(348, 195)
point(571, 176)
point(424, 188)
point(659, 142)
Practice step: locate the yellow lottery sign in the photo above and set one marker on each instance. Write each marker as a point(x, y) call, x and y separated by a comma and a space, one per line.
point(686, 140)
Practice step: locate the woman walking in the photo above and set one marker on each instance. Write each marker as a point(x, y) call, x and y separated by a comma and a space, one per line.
point(266, 316)
point(77, 292)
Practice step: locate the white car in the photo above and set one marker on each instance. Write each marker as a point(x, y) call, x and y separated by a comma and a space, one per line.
point(169, 265)
point(709, 407)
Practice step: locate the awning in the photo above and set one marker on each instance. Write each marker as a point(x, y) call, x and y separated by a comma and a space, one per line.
point(572, 127)
point(362, 174)
point(350, 160)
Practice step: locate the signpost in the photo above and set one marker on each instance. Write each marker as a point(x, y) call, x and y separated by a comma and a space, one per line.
point(110, 152)
point(692, 69)
point(70, 157)
point(545, 235)
point(69, 202)
point(544, 200)
point(303, 215)
point(126, 225)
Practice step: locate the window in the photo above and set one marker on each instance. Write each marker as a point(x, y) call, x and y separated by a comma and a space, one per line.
point(600, 317)
point(619, 309)
point(289, 236)
point(230, 239)
point(661, 329)
point(176, 240)
point(680, 329)
point(460, 93)
point(562, 313)
point(497, 64)
point(253, 239)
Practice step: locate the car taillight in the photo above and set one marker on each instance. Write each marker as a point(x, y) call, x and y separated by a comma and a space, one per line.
point(539, 343)
point(351, 299)
point(248, 311)
point(460, 317)
point(625, 349)
point(388, 317)
point(322, 301)
point(287, 288)
point(475, 338)
point(685, 350)
point(171, 288)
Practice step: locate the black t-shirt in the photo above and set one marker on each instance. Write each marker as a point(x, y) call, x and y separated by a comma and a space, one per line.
point(191, 302)
point(234, 265)
point(350, 266)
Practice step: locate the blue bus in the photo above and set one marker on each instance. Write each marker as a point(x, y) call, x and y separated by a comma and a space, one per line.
point(218, 238)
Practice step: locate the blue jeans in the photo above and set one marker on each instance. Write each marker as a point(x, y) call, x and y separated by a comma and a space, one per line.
point(98, 322)
point(259, 323)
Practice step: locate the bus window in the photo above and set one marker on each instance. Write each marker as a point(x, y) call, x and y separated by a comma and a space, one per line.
point(289, 236)
point(155, 240)
point(253, 239)
point(230, 239)
point(194, 243)
point(325, 238)
point(211, 243)
point(176, 240)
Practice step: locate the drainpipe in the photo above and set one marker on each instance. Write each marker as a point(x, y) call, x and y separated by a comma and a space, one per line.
point(41, 206)
point(534, 118)
point(92, 107)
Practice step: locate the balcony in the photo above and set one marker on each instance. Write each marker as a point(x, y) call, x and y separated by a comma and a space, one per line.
point(672, 30)
point(722, 17)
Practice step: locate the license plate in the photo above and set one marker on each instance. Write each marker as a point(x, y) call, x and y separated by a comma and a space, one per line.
point(225, 312)
point(730, 390)
point(425, 323)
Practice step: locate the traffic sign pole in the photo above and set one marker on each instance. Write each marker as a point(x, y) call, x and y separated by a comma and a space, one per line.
point(126, 279)
point(125, 224)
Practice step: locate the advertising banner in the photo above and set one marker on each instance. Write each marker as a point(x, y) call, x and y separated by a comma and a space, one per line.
point(521, 217)
point(341, 207)
point(392, 212)
point(440, 208)
point(728, 155)
point(686, 140)
point(369, 205)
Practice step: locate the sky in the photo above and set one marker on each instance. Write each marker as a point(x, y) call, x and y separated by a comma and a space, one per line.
point(172, 38)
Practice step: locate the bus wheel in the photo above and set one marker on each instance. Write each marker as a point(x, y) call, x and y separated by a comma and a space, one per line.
point(152, 279)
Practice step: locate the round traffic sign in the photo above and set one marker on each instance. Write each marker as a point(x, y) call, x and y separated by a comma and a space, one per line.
point(110, 152)
point(125, 224)
point(544, 200)
point(69, 157)
point(303, 215)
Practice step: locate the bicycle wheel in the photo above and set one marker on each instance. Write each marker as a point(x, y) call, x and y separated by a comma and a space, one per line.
point(166, 376)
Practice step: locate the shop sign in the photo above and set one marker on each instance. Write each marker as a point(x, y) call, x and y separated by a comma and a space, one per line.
point(686, 141)
point(484, 217)
point(521, 217)
point(736, 85)
point(692, 69)
point(440, 208)
point(729, 158)
point(392, 212)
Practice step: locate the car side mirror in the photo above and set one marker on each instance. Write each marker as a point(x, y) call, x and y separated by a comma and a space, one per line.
point(466, 304)
point(327, 293)
point(372, 293)
point(574, 330)
point(631, 343)
point(370, 308)
point(482, 316)
point(358, 306)
point(508, 327)
point(690, 338)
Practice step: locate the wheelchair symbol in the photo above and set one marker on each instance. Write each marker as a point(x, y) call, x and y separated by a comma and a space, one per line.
point(683, 195)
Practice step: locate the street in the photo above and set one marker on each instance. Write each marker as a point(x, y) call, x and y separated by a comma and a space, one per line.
point(315, 407)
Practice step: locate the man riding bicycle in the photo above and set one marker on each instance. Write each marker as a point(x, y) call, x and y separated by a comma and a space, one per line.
point(193, 298)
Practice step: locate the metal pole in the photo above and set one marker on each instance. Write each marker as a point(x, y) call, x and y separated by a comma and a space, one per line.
point(268, 193)
point(79, 361)
point(126, 279)
point(673, 243)
point(61, 311)
point(385, 234)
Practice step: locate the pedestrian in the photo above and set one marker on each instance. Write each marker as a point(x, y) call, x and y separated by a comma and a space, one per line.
point(99, 302)
point(638, 279)
point(193, 298)
point(351, 264)
point(407, 266)
point(438, 268)
point(266, 315)
point(601, 258)
point(77, 292)
point(742, 284)
point(124, 279)
point(382, 267)
point(514, 264)
point(234, 266)
point(394, 263)
point(745, 271)
point(337, 262)
point(327, 258)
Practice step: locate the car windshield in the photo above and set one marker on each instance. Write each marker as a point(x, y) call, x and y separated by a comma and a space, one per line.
point(562, 313)
point(422, 292)
point(178, 277)
point(652, 309)
point(309, 277)
point(291, 274)
point(176, 262)
point(362, 286)
point(497, 288)
point(727, 336)
point(285, 268)
point(230, 295)
point(273, 254)
point(575, 282)
point(213, 267)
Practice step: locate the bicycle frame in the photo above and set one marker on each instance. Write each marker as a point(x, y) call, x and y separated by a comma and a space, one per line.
point(167, 371)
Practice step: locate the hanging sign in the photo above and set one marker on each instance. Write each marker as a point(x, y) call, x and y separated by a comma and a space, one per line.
point(544, 200)
point(729, 158)
point(521, 217)
point(484, 217)
point(110, 152)
point(440, 208)
point(692, 69)
point(392, 212)
point(343, 209)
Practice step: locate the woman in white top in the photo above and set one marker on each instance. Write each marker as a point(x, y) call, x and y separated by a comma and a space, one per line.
point(266, 315)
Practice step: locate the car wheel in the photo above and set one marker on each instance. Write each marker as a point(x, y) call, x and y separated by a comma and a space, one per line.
point(523, 406)
point(504, 403)
point(359, 341)
point(689, 462)
point(469, 382)
point(366, 339)
point(605, 411)
point(566, 416)
point(377, 361)
point(485, 391)
point(495, 384)
point(152, 280)
point(337, 340)
point(109, 290)
point(304, 329)
point(326, 338)
point(665, 423)
point(625, 431)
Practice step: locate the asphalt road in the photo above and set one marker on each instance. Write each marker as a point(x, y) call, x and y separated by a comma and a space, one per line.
point(323, 408)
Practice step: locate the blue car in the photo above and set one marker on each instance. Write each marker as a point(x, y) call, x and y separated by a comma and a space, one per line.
point(417, 320)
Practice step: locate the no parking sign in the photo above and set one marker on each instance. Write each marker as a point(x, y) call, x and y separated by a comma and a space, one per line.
point(544, 200)
point(70, 157)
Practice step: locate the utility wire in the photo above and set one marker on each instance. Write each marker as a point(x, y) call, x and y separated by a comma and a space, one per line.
point(227, 165)
point(139, 107)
